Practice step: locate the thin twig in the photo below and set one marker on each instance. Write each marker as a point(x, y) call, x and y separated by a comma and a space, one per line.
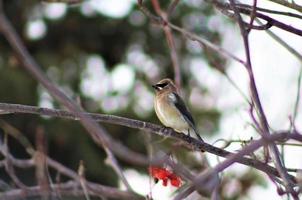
point(233, 83)
point(189, 35)
point(296, 107)
point(170, 41)
point(111, 161)
point(289, 14)
point(171, 7)
point(248, 141)
point(287, 4)
point(81, 173)
point(92, 188)
point(247, 11)
point(283, 43)
point(299, 57)
point(9, 168)
point(252, 16)
point(41, 165)
point(205, 42)
point(123, 152)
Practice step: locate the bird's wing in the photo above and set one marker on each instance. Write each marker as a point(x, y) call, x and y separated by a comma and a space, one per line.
point(181, 107)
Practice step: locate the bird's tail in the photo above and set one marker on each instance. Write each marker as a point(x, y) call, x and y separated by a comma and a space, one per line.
point(197, 134)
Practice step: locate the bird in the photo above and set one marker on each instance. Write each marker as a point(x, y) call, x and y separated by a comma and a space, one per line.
point(171, 109)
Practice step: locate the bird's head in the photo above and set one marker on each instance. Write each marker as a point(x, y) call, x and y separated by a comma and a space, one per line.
point(165, 85)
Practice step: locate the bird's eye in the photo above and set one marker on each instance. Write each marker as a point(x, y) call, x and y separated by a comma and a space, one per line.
point(162, 85)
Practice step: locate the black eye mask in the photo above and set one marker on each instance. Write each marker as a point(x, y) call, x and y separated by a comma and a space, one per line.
point(161, 85)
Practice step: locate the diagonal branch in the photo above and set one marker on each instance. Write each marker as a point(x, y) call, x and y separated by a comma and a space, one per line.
point(252, 16)
point(96, 132)
point(286, 3)
point(253, 146)
point(146, 127)
point(224, 7)
point(289, 14)
point(278, 39)
point(191, 36)
point(172, 7)
point(170, 40)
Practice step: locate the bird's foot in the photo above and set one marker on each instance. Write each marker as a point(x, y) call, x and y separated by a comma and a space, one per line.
point(165, 131)
point(189, 133)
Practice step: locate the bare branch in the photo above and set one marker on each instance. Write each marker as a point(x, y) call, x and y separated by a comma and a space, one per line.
point(8, 164)
point(247, 11)
point(171, 7)
point(296, 107)
point(283, 43)
point(299, 57)
point(147, 127)
point(252, 16)
point(255, 97)
point(288, 4)
point(202, 179)
point(289, 14)
point(70, 189)
point(92, 188)
point(170, 41)
point(191, 36)
point(83, 187)
point(96, 132)
point(81, 173)
point(41, 165)
point(111, 161)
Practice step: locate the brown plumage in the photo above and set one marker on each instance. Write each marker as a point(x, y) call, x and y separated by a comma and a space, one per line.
point(170, 108)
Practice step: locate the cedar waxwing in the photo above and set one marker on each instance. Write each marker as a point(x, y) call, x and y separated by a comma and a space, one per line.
point(171, 109)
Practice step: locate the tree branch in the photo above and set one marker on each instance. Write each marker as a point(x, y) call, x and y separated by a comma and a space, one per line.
point(247, 11)
point(95, 131)
point(147, 127)
point(202, 179)
point(94, 189)
point(191, 36)
point(69, 189)
point(289, 14)
point(286, 3)
point(170, 41)
point(255, 97)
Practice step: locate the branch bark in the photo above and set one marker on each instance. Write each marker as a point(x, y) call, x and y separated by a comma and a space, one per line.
point(147, 127)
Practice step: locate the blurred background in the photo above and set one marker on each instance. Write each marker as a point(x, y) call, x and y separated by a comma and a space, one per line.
point(107, 54)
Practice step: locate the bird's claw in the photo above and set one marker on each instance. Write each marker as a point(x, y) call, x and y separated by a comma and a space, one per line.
point(165, 130)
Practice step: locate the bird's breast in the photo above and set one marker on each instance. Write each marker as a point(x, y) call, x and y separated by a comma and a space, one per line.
point(169, 115)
